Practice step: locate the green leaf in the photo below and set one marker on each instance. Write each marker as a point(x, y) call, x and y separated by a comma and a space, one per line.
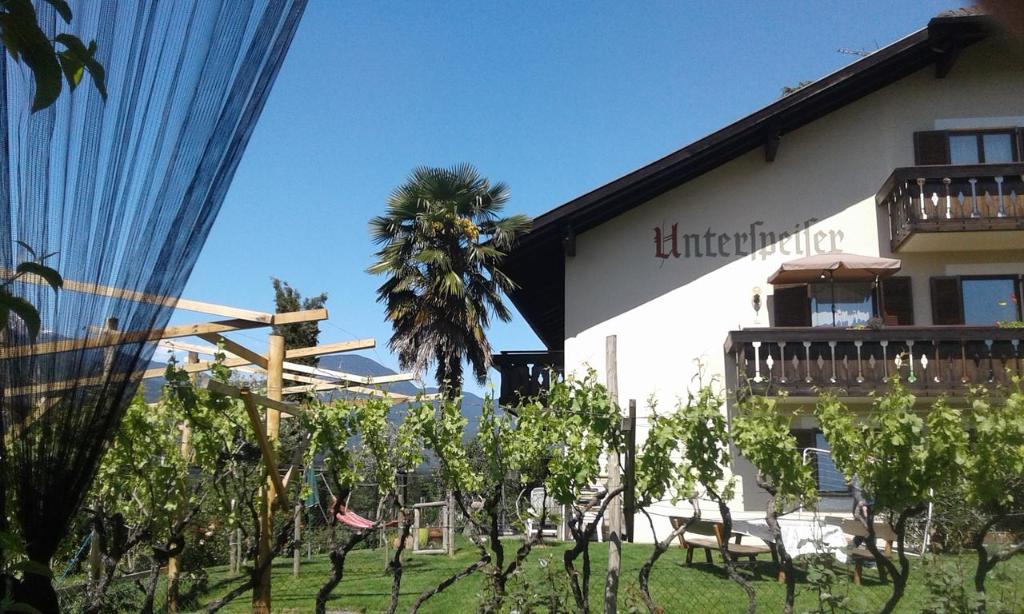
point(24, 310)
point(62, 9)
point(72, 67)
point(24, 39)
point(41, 59)
point(97, 72)
point(51, 276)
point(11, 543)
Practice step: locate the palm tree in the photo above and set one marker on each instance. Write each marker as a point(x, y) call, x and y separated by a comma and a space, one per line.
point(442, 243)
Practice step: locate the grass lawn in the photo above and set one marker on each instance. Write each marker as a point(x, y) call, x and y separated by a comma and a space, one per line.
point(701, 588)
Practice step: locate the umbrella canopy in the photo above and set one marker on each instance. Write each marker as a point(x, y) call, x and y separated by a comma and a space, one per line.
point(836, 266)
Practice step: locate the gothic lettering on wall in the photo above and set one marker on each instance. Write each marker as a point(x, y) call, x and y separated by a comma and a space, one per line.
point(754, 241)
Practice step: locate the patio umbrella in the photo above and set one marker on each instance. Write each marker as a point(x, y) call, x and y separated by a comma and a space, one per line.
point(834, 266)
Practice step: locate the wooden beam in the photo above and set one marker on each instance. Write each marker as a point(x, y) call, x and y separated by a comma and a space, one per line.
point(327, 348)
point(947, 58)
point(17, 429)
point(48, 387)
point(138, 336)
point(771, 146)
point(369, 380)
point(293, 317)
point(373, 392)
point(331, 348)
point(310, 388)
point(313, 384)
point(240, 364)
point(231, 391)
point(184, 346)
point(171, 332)
point(269, 458)
point(237, 349)
point(71, 285)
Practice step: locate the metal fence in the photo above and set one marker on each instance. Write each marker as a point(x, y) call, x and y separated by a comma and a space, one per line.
point(217, 561)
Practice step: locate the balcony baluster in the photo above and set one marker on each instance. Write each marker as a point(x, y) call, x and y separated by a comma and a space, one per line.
point(930, 360)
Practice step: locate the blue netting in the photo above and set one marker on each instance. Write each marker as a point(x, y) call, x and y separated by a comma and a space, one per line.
point(125, 192)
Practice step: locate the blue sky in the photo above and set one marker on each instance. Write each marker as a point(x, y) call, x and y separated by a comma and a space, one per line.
point(554, 98)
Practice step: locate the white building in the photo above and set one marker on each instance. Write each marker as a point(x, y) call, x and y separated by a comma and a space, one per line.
point(913, 152)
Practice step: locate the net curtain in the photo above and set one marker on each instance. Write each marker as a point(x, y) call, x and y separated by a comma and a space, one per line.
point(124, 192)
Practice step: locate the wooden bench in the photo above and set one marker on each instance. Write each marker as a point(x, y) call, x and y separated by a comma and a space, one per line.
point(708, 536)
point(861, 555)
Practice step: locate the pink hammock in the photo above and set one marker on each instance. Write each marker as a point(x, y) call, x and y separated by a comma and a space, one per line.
point(354, 520)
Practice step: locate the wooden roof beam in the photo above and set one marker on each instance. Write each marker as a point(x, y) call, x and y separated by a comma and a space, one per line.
point(370, 380)
point(251, 315)
point(284, 407)
point(237, 349)
point(170, 332)
point(251, 357)
point(331, 348)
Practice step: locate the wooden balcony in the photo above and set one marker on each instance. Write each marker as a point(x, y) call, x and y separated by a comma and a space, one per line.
point(525, 374)
point(931, 360)
point(983, 203)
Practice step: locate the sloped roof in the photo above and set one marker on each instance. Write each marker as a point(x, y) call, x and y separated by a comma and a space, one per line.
point(537, 263)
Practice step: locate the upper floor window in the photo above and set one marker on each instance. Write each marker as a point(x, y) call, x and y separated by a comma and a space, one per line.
point(978, 300)
point(998, 146)
point(812, 304)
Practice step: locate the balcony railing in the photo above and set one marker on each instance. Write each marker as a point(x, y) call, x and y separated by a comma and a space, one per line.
point(953, 198)
point(525, 374)
point(930, 360)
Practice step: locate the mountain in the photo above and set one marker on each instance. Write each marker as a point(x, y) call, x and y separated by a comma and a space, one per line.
point(472, 405)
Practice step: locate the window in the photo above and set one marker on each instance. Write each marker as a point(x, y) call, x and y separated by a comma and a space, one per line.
point(817, 452)
point(987, 301)
point(976, 300)
point(963, 149)
point(851, 303)
point(805, 305)
point(999, 146)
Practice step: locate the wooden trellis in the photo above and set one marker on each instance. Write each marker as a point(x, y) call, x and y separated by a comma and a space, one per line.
point(274, 364)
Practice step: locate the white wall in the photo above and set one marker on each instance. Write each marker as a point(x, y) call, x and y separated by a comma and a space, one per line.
point(669, 313)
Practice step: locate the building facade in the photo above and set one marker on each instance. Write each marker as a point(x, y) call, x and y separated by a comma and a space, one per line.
point(912, 153)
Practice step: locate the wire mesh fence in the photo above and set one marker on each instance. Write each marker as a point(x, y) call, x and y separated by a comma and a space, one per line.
point(940, 581)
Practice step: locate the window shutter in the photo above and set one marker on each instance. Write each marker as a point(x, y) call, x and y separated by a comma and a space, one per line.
point(947, 303)
point(931, 147)
point(791, 306)
point(897, 301)
point(1019, 142)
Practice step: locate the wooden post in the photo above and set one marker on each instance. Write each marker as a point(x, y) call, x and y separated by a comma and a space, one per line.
point(296, 554)
point(239, 550)
point(261, 597)
point(629, 495)
point(186, 453)
point(231, 548)
point(417, 518)
point(614, 510)
point(95, 558)
point(95, 553)
point(449, 532)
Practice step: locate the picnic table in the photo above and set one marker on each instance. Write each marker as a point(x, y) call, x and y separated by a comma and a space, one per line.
point(799, 536)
